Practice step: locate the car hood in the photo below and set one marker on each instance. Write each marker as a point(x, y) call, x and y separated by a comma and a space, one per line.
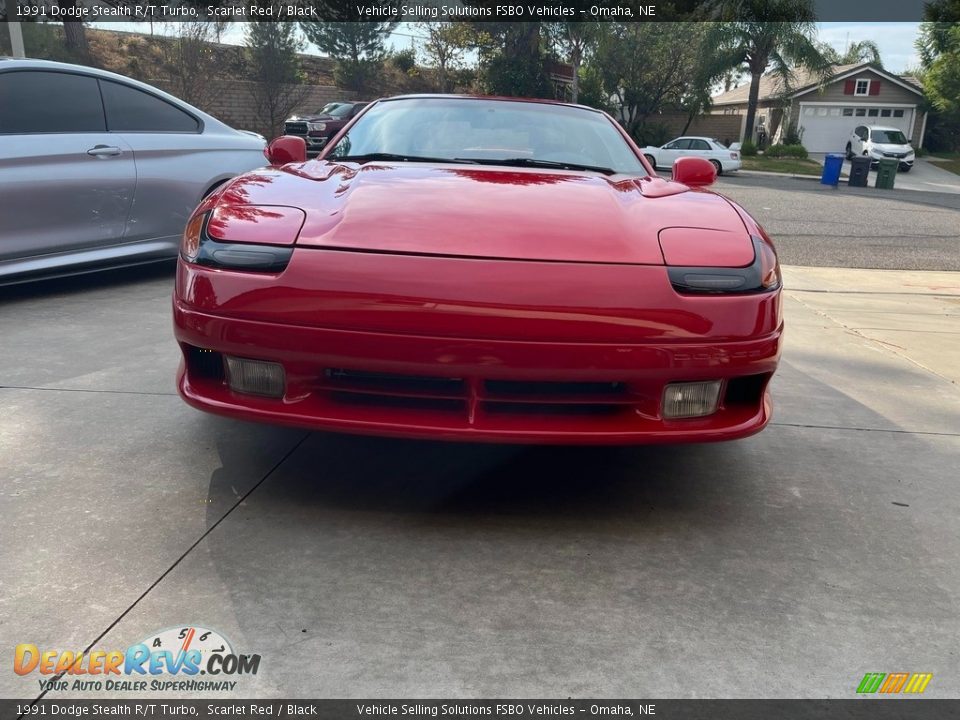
point(491, 212)
point(890, 147)
point(311, 118)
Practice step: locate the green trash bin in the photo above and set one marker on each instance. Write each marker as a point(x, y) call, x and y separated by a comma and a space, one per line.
point(886, 173)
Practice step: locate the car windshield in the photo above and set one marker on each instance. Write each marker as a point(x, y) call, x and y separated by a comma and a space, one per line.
point(489, 132)
point(329, 108)
point(892, 137)
point(340, 111)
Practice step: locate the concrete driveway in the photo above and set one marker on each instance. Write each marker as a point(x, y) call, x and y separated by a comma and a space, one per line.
point(787, 564)
point(924, 176)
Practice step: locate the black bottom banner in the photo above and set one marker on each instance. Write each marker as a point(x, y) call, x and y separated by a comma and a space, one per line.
point(865, 709)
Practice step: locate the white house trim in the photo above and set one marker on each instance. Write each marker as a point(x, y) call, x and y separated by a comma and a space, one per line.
point(844, 103)
point(856, 71)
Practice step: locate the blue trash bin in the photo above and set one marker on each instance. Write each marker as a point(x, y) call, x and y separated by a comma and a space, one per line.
point(832, 165)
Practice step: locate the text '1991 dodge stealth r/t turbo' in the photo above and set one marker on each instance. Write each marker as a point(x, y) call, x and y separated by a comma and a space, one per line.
point(471, 268)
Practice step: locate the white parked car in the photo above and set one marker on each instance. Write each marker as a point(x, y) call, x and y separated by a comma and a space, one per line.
point(724, 159)
point(881, 142)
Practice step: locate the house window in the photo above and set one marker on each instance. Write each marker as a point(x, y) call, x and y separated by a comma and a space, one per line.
point(808, 111)
point(873, 112)
point(898, 113)
point(861, 112)
point(835, 112)
point(885, 112)
point(822, 112)
point(862, 88)
point(848, 112)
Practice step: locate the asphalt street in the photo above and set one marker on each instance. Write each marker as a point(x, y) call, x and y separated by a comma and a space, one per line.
point(787, 564)
point(818, 225)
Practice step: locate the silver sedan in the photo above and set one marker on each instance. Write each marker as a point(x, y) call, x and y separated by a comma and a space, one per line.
point(100, 170)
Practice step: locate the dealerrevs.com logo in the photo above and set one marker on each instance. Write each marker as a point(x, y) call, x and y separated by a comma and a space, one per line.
point(167, 661)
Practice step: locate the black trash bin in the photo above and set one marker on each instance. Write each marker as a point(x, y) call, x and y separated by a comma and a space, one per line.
point(859, 171)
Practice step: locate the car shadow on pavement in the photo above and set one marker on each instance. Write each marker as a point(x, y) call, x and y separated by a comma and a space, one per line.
point(338, 473)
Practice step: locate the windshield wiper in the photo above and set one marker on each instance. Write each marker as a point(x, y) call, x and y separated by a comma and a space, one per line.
point(533, 162)
point(397, 157)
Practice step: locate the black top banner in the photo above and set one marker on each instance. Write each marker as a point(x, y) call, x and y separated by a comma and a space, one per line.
point(461, 10)
point(150, 708)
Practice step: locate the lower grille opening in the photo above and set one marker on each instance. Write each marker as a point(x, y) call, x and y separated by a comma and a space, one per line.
point(746, 391)
point(203, 363)
point(339, 378)
point(523, 388)
point(553, 408)
point(398, 401)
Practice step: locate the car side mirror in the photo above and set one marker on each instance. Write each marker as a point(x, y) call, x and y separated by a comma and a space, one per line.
point(286, 149)
point(694, 172)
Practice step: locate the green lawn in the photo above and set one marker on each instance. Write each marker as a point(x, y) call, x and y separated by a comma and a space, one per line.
point(947, 161)
point(793, 166)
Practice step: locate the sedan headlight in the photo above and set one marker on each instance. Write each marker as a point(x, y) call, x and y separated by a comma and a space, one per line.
point(316, 126)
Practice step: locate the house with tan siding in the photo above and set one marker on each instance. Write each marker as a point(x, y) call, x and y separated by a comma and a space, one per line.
point(825, 113)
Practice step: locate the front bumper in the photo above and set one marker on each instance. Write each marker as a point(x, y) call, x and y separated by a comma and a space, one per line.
point(902, 164)
point(475, 389)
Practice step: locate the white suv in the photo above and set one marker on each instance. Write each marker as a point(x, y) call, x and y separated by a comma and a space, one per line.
point(881, 142)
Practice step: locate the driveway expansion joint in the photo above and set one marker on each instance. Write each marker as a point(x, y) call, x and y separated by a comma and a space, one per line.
point(181, 558)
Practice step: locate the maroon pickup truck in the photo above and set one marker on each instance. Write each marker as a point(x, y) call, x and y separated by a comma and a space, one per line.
point(318, 127)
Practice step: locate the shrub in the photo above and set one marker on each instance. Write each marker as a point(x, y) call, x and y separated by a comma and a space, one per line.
point(795, 151)
point(775, 151)
point(748, 148)
point(652, 133)
point(792, 135)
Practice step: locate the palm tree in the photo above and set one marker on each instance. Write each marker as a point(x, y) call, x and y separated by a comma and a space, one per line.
point(856, 52)
point(775, 34)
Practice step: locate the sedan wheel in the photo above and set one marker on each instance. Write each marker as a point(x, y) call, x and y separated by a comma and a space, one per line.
point(652, 160)
point(717, 166)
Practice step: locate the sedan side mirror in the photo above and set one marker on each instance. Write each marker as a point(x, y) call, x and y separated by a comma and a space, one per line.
point(286, 149)
point(694, 172)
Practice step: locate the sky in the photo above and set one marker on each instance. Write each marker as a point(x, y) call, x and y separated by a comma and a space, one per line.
point(895, 40)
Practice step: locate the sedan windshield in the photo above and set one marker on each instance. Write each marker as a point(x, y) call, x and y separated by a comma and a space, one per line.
point(892, 137)
point(494, 132)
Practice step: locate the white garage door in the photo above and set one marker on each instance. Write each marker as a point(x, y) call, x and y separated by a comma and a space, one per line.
point(826, 128)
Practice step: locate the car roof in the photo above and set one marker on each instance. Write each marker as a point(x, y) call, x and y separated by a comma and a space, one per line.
point(539, 101)
point(32, 64)
point(884, 127)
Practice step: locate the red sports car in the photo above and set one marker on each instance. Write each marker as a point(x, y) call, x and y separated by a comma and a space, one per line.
point(473, 268)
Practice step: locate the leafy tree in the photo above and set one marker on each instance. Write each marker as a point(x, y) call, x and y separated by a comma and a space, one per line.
point(357, 47)
point(575, 40)
point(645, 67)
point(273, 48)
point(939, 48)
point(445, 47)
point(775, 34)
point(512, 58)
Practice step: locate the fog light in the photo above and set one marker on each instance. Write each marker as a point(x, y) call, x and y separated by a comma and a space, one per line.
point(690, 399)
point(255, 377)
